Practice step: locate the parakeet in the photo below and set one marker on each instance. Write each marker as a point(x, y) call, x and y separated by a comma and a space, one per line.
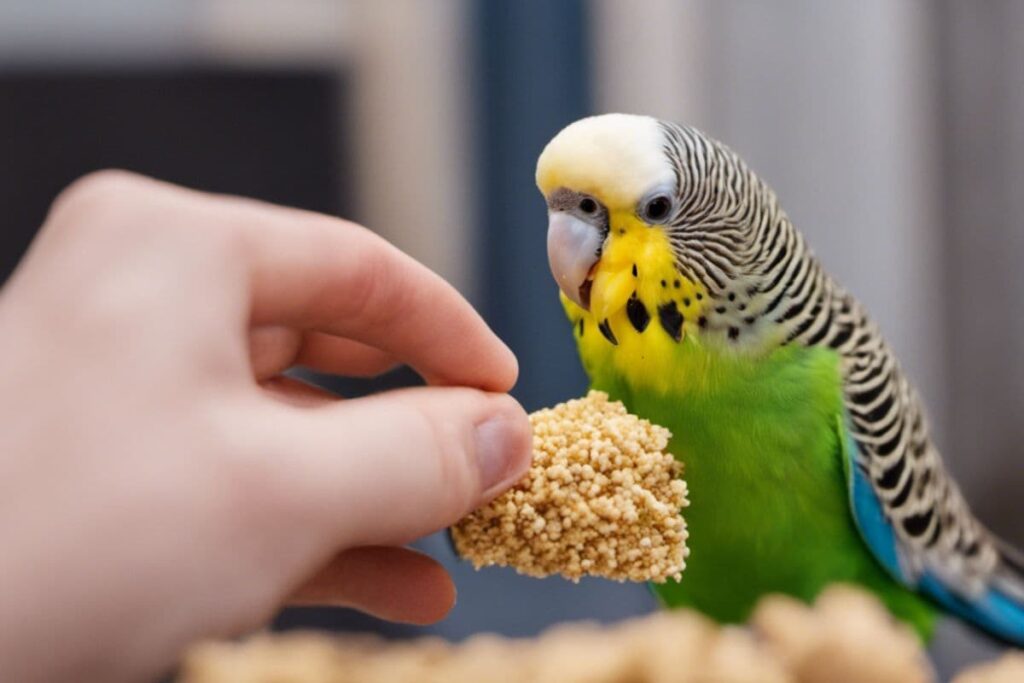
point(695, 301)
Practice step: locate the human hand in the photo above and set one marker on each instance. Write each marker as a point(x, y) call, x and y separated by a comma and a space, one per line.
point(161, 482)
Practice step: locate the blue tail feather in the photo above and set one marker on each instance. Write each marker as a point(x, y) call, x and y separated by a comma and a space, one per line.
point(997, 613)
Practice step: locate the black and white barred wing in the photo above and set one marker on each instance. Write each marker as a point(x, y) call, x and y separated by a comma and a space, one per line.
point(908, 508)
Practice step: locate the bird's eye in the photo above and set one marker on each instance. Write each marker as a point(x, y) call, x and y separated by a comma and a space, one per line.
point(656, 209)
point(588, 206)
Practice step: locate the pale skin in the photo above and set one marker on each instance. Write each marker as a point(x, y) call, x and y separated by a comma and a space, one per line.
point(161, 482)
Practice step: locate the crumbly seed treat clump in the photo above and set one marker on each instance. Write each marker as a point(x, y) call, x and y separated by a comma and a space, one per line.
point(602, 498)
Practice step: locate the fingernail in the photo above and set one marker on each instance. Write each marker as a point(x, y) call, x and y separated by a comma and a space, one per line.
point(502, 445)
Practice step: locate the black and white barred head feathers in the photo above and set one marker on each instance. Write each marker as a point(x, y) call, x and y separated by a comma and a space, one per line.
point(719, 205)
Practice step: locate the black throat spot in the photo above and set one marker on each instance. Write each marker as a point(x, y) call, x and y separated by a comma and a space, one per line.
point(671, 319)
point(637, 314)
point(606, 330)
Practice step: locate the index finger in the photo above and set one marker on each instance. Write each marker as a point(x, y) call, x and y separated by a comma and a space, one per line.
point(317, 272)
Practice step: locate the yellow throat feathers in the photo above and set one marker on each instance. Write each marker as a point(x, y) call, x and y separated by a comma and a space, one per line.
point(642, 309)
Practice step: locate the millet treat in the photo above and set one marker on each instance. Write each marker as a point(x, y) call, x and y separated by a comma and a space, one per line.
point(602, 498)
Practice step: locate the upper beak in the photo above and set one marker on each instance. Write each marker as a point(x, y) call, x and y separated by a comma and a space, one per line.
point(574, 246)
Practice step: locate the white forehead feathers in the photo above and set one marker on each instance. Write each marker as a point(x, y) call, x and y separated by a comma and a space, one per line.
point(616, 157)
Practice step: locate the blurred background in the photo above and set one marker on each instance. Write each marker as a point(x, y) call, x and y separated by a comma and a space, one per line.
point(892, 131)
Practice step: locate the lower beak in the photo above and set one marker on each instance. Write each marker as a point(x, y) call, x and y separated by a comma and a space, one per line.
point(574, 247)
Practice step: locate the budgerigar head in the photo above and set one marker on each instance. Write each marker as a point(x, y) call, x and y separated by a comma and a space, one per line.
point(650, 222)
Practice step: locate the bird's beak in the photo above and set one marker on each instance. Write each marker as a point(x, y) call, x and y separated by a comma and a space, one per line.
point(574, 247)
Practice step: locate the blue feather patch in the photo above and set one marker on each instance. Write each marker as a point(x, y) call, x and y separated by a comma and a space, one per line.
point(868, 515)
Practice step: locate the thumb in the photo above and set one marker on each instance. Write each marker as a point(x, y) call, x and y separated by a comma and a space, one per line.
point(395, 466)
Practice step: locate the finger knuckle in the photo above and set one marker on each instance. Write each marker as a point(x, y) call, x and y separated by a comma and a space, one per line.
point(374, 302)
point(95, 192)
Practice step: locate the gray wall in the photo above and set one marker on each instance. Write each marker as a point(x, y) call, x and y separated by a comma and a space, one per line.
point(981, 142)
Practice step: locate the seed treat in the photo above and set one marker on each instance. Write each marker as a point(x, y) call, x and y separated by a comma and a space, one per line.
point(602, 498)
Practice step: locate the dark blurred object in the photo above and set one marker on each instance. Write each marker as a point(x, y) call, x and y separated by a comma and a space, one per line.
point(273, 136)
point(533, 79)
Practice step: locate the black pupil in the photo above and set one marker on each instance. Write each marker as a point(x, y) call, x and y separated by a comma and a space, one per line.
point(588, 205)
point(657, 208)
